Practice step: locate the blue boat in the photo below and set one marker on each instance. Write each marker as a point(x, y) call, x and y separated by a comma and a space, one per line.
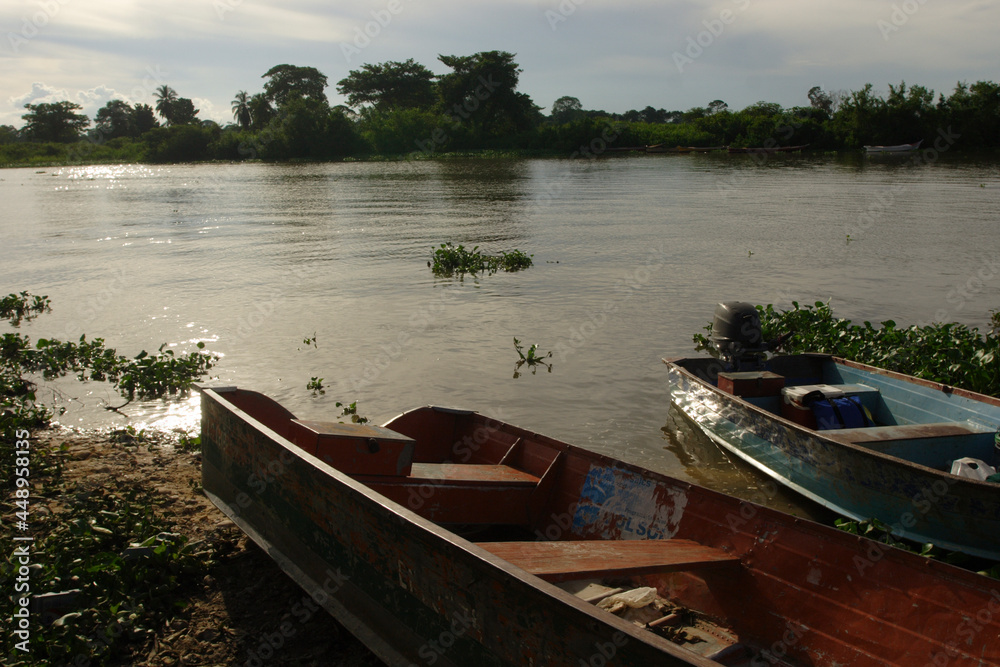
point(865, 442)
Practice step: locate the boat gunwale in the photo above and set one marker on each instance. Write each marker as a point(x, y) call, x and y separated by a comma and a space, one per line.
point(913, 379)
point(456, 541)
point(857, 448)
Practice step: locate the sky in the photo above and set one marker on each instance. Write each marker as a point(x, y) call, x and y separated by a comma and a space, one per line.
point(611, 55)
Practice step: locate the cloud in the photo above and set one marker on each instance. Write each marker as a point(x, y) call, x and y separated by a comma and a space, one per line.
point(90, 99)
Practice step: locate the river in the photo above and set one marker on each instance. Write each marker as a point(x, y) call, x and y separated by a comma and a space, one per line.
point(295, 271)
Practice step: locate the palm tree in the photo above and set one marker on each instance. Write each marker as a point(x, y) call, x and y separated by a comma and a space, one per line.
point(165, 98)
point(241, 109)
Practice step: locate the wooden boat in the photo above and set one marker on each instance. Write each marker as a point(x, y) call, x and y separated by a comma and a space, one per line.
point(769, 149)
point(449, 538)
point(899, 148)
point(894, 463)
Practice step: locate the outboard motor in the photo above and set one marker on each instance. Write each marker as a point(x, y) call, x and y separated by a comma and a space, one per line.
point(737, 335)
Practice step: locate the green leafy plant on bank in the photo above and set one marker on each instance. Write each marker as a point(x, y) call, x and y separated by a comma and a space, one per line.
point(450, 260)
point(950, 353)
point(111, 558)
point(24, 364)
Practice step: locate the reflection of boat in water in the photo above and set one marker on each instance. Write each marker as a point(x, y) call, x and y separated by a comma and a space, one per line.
point(898, 148)
point(769, 149)
point(862, 441)
point(708, 464)
point(370, 520)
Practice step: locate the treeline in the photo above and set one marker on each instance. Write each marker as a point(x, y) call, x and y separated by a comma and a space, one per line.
point(403, 109)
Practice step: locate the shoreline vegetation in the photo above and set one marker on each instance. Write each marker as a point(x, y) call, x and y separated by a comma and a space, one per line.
point(401, 110)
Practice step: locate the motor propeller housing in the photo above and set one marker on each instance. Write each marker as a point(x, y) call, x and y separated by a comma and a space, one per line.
point(736, 334)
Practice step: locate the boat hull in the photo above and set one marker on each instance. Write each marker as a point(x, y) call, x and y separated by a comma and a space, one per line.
point(920, 503)
point(775, 589)
point(899, 148)
point(411, 591)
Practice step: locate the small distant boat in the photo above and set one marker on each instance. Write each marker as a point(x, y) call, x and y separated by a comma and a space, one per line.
point(898, 148)
point(449, 538)
point(862, 441)
point(769, 149)
point(663, 148)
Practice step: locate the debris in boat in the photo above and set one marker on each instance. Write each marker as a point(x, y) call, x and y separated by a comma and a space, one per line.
point(644, 607)
point(637, 598)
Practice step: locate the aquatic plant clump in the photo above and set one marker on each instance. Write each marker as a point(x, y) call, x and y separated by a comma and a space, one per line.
point(449, 260)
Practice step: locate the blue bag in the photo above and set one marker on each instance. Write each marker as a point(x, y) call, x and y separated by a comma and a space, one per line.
point(836, 413)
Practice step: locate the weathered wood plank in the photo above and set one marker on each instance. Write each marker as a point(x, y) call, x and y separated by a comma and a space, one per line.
point(903, 432)
point(463, 473)
point(580, 559)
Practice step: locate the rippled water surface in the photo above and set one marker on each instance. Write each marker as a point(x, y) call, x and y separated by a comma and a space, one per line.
point(631, 255)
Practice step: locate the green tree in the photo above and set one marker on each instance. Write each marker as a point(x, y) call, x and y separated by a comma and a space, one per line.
point(819, 99)
point(261, 111)
point(285, 82)
point(402, 131)
point(390, 85)
point(859, 119)
point(716, 106)
point(974, 113)
point(179, 143)
point(481, 91)
point(566, 109)
point(910, 114)
point(241, 109)
point(183, 112)
point(144, 119)
point(8, 134)
point(165, 99)
point(116, 119)
point(56, 121)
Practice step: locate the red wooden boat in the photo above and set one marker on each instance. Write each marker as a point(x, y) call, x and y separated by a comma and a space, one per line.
point(449, 538)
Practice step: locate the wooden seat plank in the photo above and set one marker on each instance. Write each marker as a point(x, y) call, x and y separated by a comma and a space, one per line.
point(580, 559)
point(904, 432)
point(444, 473)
